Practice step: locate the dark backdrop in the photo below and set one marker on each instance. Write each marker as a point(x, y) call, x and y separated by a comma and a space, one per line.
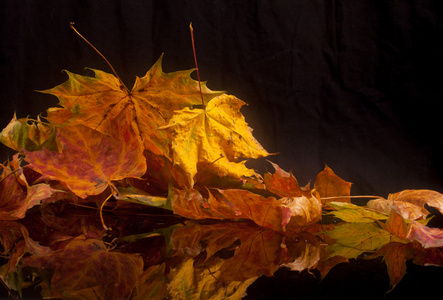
point(353, 84)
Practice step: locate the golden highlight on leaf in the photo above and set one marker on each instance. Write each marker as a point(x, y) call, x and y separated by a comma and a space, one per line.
point(215, 137)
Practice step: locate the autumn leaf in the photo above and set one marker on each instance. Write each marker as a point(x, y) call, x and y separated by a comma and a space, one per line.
point(15, 240)
point(428, 237)
point(93, 101)
point(282, 183)
point(300, 211)
point(16, 195)
point(30, 135)
point(349, 212)
point(188, 282)
point(216, 137)
point(353, 239)
point(247, 250)
point(257, 250)
point(10, 232)
point(396, 225)
point(90, 160)
point(409, 203)
point(132, 194)
point(228, 204)
point(328, 184)
point(85, 268)
point(395, 255)
point(237, 204)
point(152, 284)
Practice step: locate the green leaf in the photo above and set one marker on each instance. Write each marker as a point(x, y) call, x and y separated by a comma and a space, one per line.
point(353, 239)
point(356, 214)
point(133, 194)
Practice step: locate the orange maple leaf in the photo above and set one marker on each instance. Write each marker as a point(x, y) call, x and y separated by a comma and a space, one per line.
point(279, 215)
point(328, 184)
point(92, 101)
point(282, 183)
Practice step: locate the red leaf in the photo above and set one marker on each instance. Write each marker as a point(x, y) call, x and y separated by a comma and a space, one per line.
point(90, 160)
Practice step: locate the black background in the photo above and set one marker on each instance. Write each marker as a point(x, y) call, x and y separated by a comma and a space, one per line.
point(353, 84)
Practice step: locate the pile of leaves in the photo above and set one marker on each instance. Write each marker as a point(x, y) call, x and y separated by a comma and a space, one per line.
point(173, 146)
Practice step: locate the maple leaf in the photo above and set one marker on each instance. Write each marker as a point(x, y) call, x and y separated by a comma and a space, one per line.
point(93, 101)
point(16, 195)
point(409, 203)
point(428, 237)
point(86, 269)
point(349, 212)
point(26, 134)
point(282, 183)
point(353, 239)
point(395, 255)
point(10, 232)
point(90, 160)
point(152, 284)
point(15, 240)
point(189, 282)
point(215, 136)
point(253, 250)
point(279, 215)
point(328, 184)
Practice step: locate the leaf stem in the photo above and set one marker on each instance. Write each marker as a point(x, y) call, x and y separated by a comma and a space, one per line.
point(101, 213)
point(196, 65)
point(352, 197)
point(12, 172)
point(96, 50)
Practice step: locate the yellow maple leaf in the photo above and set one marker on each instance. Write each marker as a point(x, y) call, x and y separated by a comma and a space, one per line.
point(216, 136)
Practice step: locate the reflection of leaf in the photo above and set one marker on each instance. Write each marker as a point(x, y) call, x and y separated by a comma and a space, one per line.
point(152, 284)
point(255, 251)
point(330, 185)
point(188, 282)
point(353, 239)
point(395, 255)
point(86, 269)
point(90, 160)
point(215, 136)
point(409, 203)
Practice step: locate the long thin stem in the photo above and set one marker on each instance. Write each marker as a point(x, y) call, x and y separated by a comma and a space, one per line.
point(352, 197)
point(101, 213)
point(196, 65)
point(96, 50)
